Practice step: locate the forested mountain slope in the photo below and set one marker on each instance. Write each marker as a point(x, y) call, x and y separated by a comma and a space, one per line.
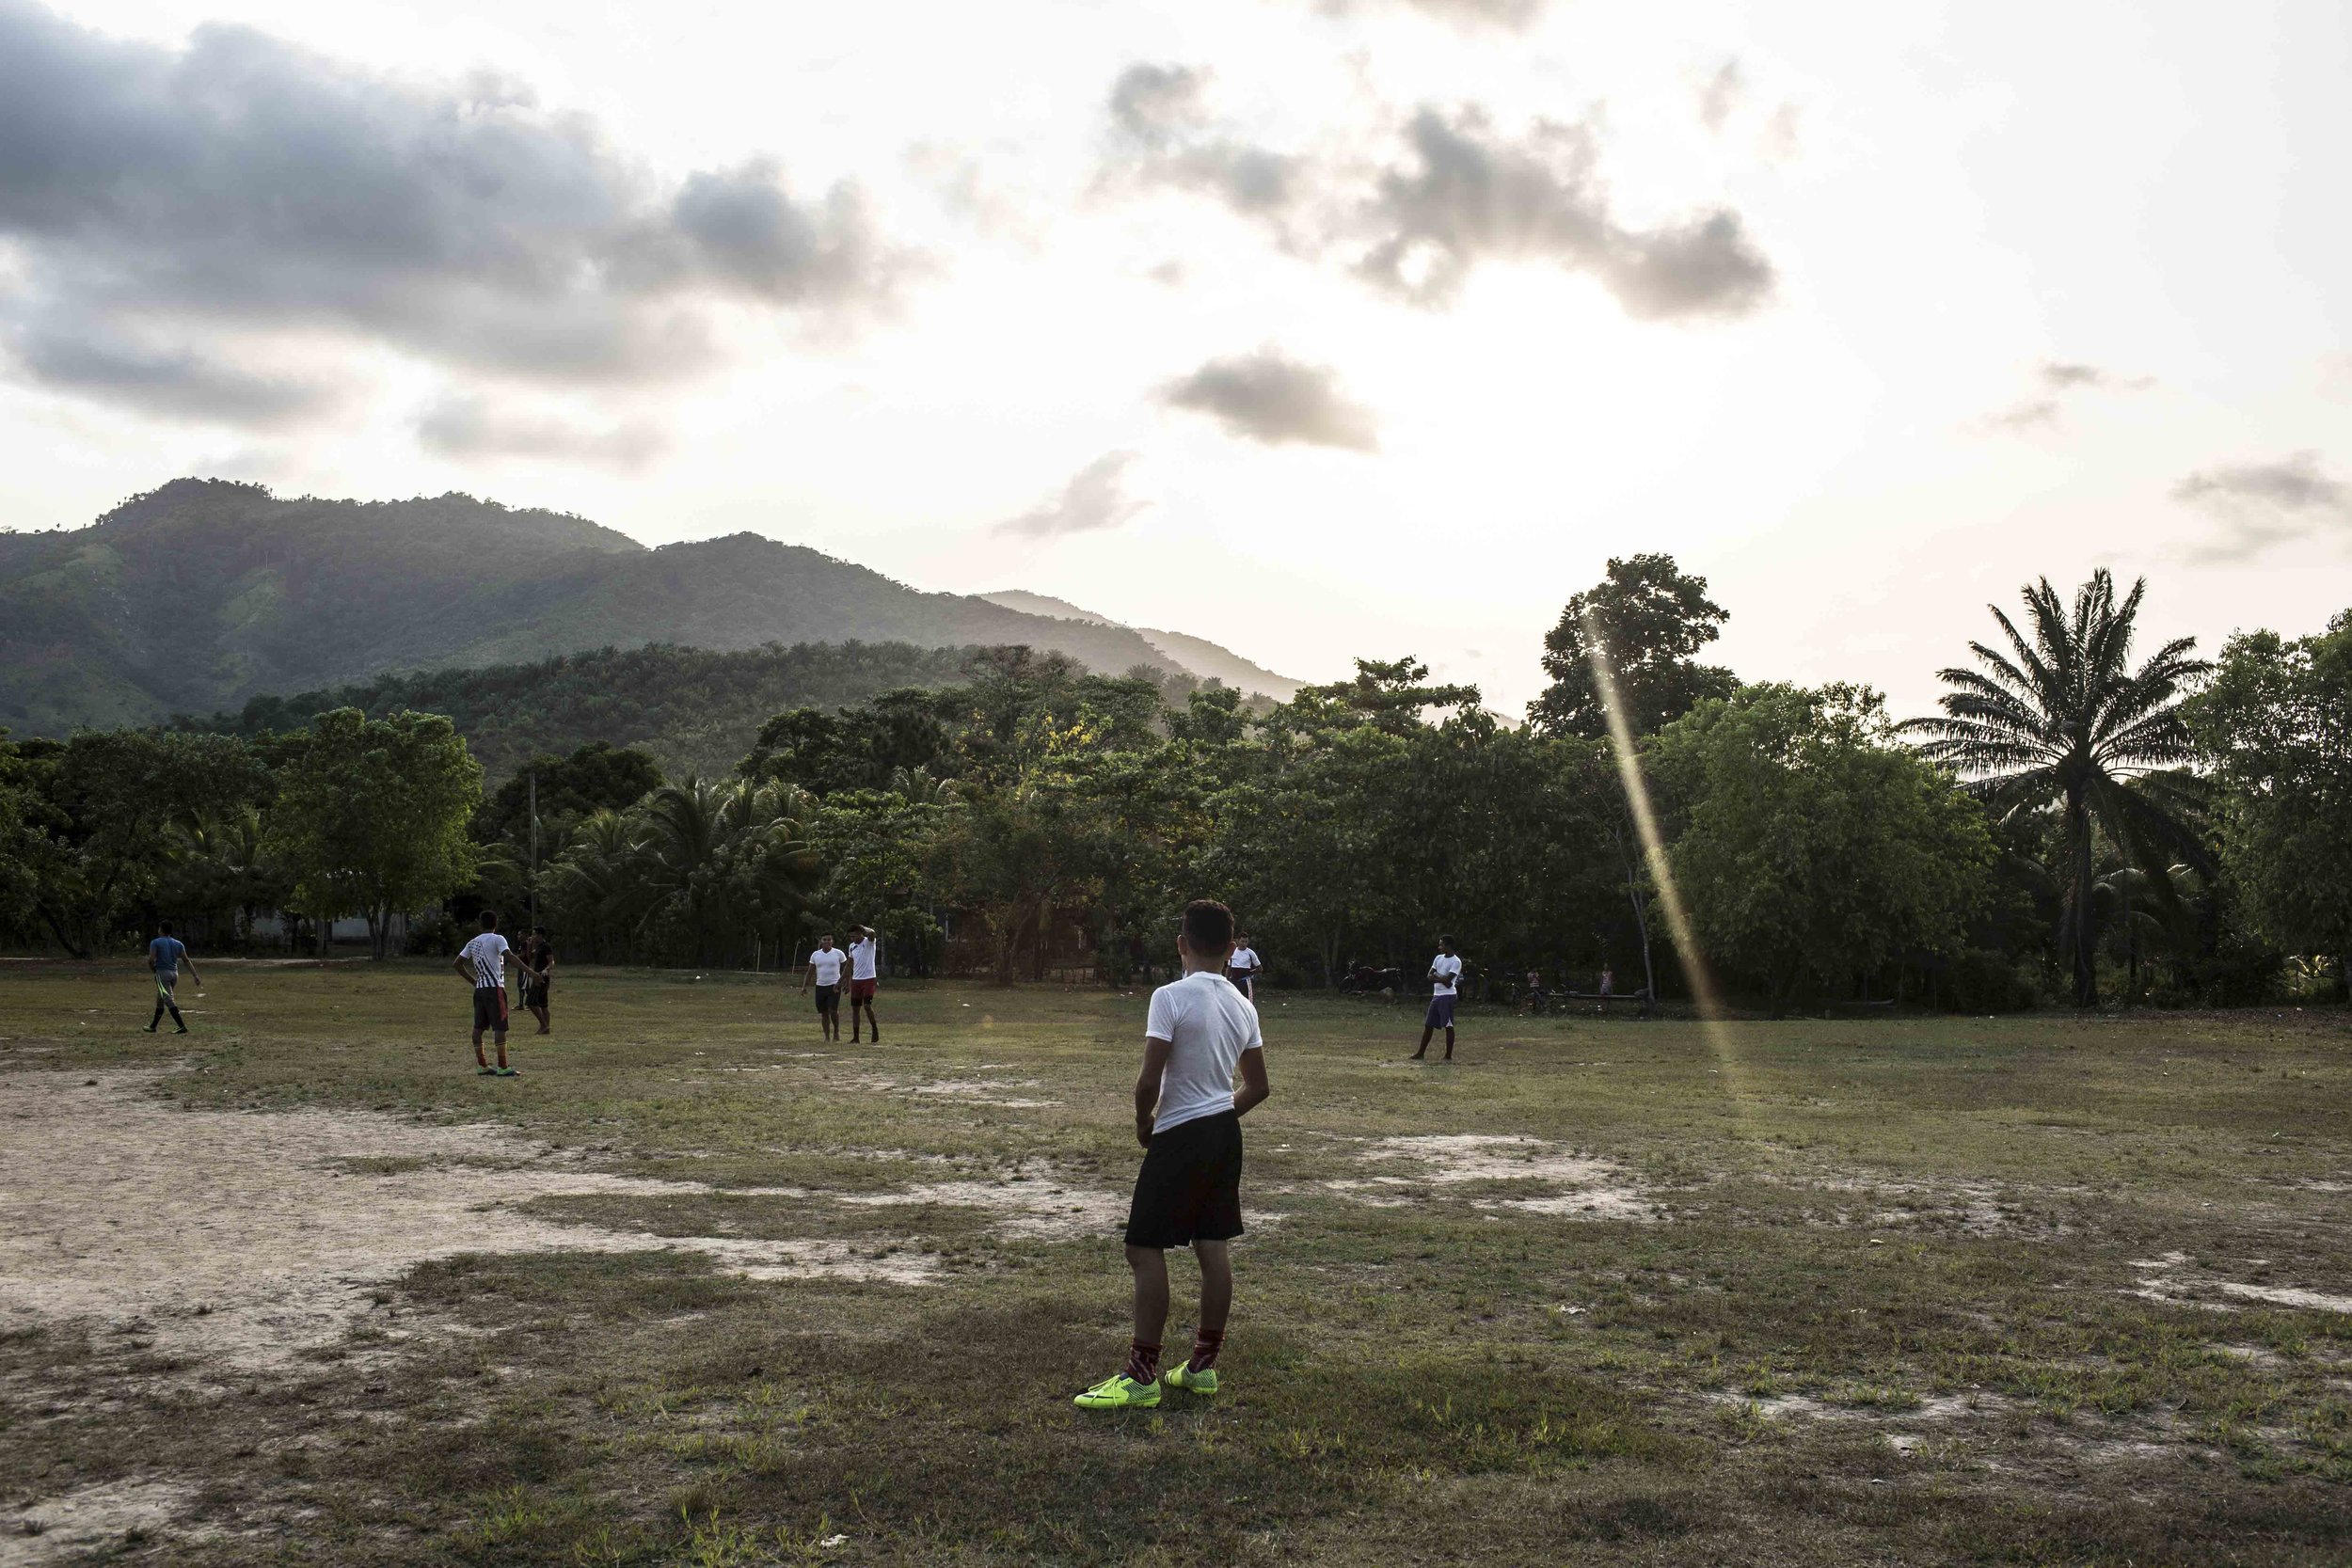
point(1206, 659)
point(697, 711)
point(204, 593)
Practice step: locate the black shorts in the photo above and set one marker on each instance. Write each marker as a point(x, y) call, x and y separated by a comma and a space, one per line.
point(828, 999)
point(1189, 1189)
point(489, 1008)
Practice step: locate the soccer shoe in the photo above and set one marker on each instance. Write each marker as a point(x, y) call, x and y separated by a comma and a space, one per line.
point(1181, 1376)
point(508, 1072)
point(1119, 1393)
point(486, 1073)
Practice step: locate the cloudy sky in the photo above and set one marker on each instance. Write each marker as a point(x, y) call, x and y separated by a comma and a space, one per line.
point(1314, 327)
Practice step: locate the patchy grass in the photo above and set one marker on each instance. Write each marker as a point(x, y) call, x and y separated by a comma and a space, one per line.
point(1947, 1290)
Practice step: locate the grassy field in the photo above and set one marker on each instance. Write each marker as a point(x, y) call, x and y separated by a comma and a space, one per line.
point(699, 1289)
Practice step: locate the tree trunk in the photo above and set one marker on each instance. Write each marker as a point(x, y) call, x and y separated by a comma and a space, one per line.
point(2086, 930)
point(57, 928)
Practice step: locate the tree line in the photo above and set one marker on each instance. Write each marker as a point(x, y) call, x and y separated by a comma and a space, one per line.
point(2076, 821)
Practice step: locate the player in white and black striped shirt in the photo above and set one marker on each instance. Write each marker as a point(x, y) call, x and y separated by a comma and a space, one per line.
point(483, 963)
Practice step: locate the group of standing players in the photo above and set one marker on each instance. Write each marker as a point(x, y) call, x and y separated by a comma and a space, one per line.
point(1201, 1034)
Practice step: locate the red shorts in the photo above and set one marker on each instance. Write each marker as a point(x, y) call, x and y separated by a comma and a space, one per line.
point(863, 990)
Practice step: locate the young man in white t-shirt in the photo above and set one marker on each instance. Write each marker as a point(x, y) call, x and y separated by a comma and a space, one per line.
point(1188, 1119)
point(1445, 973)
point(865, 978)
point(824, 972)
point(1241, 968)
point(483, 963)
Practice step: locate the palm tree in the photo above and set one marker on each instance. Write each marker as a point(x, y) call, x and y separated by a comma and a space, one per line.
point(2068, 721)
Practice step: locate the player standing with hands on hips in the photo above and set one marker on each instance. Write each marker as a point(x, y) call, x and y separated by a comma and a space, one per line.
point(1445, 973)
point(1189, 1120)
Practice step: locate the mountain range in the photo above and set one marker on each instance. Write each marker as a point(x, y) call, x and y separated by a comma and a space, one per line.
point(206, 593)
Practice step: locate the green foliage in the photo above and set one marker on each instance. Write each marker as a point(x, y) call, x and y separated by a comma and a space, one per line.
point(692, 710)
point(2062, 719)
point(1809, 847)
point(596, 777)
point(99, 819)
point(700, 870)
point(1652, 619)
point(371, 814)
point(2276, 723)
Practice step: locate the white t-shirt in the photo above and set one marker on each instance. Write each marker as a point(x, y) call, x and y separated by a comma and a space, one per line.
point(826, 962)
point(862, 959)
point(1244, 961)
point(488, 953)
point(1209, 1024)
point(1447, 967)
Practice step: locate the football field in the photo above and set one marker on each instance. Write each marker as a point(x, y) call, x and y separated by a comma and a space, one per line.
point(701, 1288)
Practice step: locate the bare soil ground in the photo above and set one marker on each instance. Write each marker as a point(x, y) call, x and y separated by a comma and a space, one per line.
point(699, 1289)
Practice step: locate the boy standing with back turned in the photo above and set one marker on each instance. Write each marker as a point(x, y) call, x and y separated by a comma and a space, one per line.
point(1188, 1119)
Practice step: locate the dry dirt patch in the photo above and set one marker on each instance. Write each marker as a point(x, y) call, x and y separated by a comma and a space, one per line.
point(2173, 1278)
point(1585, 1185)
point(245, 1238)
point(83, 1523)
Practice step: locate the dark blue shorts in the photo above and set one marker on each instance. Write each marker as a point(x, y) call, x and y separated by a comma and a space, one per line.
point(1440, 1013)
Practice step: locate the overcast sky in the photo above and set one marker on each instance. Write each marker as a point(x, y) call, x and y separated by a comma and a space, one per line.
point(1318, 328)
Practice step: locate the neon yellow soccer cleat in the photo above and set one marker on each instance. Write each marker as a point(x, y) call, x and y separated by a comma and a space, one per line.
point(1181, 1376)
point(1119, 1393)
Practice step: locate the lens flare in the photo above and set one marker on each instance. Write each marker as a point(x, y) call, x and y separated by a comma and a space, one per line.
point(1704, 997)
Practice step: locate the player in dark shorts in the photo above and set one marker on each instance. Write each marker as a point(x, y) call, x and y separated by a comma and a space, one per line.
point(1445, 974)
point(1241, 968)
point(824, 973)
point(1188, 1115)
point(865, 978)
point(483, 963)
point(537, 961)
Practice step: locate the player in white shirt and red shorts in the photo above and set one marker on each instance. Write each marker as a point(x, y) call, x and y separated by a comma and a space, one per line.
point(865, 978)
point(1198, 1032)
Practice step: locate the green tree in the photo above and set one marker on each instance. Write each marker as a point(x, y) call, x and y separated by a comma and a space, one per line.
point(1652, 619)
point(2068, 721)
point(370, 816)
point(1809, 846)
point(2275, 724)
point(102, 816)
point(599, 776)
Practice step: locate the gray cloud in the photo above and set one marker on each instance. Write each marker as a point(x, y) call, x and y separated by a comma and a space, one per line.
point(2032, 414)
point(1721, 95)
point(1162, 112)
point(168, 383)
point(1269, 398)
point(2057, 379)
point(1512, 14)
point(2065, 375)
point(1095, 498)
point(1783, 134)
point(1462, 193)
point(242, 187)
point(2261, 504)
point(1469, 196)
point(1155, 105)
point(469, 426)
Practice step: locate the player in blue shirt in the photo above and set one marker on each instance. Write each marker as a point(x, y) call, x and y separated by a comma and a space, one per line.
point(165, 955)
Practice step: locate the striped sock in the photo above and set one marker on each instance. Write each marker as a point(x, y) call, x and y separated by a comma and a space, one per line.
point(1143, 1361)
point(1206, 1342)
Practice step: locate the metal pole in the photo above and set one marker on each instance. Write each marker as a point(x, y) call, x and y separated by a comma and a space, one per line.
point(534, 849)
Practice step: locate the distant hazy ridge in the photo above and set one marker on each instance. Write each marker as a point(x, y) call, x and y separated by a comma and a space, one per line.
point(202, 595)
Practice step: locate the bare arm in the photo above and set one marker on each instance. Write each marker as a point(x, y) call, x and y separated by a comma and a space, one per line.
point(189, 958)
point(1148, 1085)
point(464, 970)
point(1253, 1088)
